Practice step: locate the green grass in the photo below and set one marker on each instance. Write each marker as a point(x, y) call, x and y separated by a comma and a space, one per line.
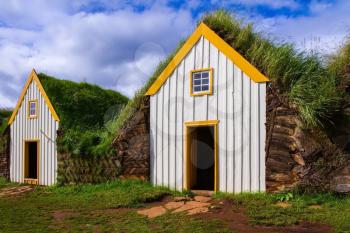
point(4, 116)
point(111, 207)
point(85, 132)
point(261, 208)
point(87, 208)
point(6, 184)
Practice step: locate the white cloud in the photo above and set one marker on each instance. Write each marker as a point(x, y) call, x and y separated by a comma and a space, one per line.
point(120, 47)
point(292, 4)
point(110, 49)
point(272, 3)
point(323, 31)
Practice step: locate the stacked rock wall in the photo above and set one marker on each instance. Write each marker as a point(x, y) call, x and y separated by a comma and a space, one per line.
point(5, 154)
point(90, 169)
point(132, 144)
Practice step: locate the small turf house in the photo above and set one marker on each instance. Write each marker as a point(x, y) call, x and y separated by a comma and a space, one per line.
point(207, 119)
point(33, 131)
point(55, 129)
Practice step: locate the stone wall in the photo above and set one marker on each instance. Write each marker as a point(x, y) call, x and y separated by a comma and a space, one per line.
point(132, 144)
point(90, 169)
point(5, 154)
point(296, 157)
point(283, 152)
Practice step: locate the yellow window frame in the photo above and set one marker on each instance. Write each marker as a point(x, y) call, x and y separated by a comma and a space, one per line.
point(36, 109)
point(210, 91)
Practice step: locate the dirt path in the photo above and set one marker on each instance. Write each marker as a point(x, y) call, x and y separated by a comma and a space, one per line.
point(236, 219)
point(233, 216)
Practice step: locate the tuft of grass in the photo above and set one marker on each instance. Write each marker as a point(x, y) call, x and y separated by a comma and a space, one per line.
point(339, 64)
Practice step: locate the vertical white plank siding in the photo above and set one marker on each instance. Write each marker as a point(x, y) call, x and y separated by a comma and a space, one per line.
point(238, 128)
point(262, 135)
point(172, 129)
point(179, 137)
point(246, 133)
point(230, 128)
point(153, 140)
point(159, 135)
point(222, 109)
point(44, 128)
point(239, 105)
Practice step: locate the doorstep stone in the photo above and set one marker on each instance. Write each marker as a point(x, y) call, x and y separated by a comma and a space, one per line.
point(191, 205)
point(199, 210)
point(174, 205)
point(202, 199)
point(153, 212)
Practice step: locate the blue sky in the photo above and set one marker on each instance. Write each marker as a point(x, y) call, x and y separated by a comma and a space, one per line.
point(118, 43)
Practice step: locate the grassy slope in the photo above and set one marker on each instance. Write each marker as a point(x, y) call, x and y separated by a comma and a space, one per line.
point(85, 111)
point(93, 208)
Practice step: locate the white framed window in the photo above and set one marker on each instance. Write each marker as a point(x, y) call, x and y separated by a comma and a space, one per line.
point(201, 82)
point(33, 109)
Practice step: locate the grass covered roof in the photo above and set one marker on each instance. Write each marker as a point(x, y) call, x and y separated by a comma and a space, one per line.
point(80, 105)
point(85, 111)
point(299, 78)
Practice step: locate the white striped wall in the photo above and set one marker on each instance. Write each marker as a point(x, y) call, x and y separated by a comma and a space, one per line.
point(43, 128)
point(237, 102)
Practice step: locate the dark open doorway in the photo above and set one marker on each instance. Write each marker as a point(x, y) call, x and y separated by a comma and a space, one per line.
point(31, 160)
point(202, 157)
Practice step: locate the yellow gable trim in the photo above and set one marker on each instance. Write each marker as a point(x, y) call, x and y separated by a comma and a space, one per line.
point(33, 76)
point(221, 45)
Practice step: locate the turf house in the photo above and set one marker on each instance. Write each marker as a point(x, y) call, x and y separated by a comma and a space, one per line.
point(231, 110)
point(207, 119)
point(45, 106)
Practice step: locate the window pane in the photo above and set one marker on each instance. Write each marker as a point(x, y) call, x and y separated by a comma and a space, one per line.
point(32, 108)
point(196, 88)
point(205, 74)
point(205, 88)
point(197, 75)
point(205, 81)
point(197, 82)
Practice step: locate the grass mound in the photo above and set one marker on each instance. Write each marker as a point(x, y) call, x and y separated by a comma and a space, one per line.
point(85, 111)
point(299, 78)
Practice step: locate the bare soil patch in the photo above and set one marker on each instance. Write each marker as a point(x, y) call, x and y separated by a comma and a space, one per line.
point(238, 221)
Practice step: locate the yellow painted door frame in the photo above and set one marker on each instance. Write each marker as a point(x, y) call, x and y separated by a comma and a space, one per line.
point(194, 124)
point(25, 148)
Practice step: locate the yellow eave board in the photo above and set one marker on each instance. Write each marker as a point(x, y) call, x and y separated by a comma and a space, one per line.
point(221, 45)
point(33, 77)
